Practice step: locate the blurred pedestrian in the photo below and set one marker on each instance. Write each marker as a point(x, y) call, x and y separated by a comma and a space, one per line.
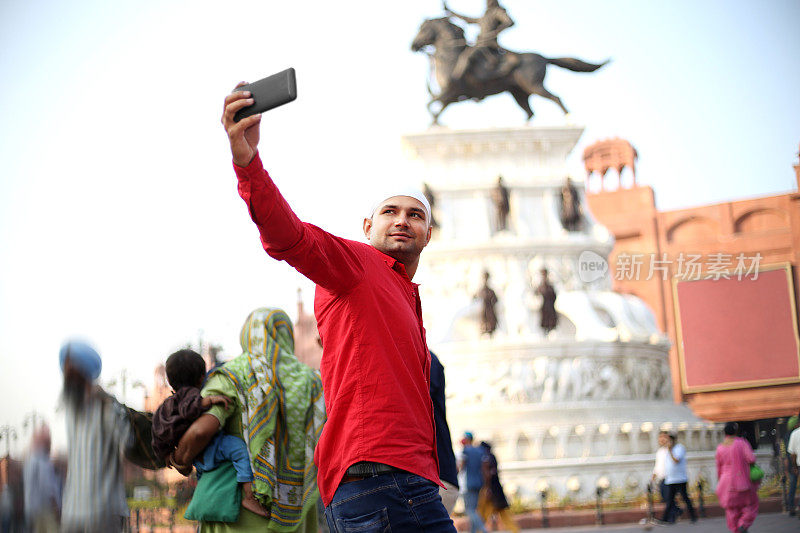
point(676, 479)
point(737, 494)
point(41, 486)
point(660, 471)
point(791, 465)
point(793, 450)
point(472, 463)
point(492, 500)
point(448, 470)
point(6, 509)
point(98, 430)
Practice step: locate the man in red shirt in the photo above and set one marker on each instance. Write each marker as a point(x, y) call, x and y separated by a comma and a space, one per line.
point(376, 457)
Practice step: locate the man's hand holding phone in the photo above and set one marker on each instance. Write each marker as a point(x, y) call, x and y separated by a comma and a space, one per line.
point(243, 109)
point(243, 135)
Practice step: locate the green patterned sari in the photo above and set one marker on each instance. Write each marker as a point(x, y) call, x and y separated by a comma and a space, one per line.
point(281, 411)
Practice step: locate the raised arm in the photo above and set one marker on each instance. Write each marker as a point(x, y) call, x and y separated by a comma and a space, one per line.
point(325, 259)
point(676, 452)
point(450, 12)
point(503, 19)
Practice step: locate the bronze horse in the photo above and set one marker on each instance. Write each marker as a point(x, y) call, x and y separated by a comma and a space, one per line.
point(482, 79)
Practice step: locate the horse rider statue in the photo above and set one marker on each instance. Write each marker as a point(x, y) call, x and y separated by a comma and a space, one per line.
point(493, 21)
point(465, 72)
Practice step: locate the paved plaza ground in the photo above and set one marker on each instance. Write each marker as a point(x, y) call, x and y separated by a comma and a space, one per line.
point(765, 523)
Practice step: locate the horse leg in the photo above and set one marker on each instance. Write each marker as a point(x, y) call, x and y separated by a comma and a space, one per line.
point(522, 100)
point(436, 114)
point(541, 91)
point(444, 99)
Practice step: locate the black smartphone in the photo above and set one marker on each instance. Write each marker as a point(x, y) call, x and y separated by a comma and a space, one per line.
point(269, 93)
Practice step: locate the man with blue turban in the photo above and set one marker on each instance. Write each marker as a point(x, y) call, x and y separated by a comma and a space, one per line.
point(98, 430)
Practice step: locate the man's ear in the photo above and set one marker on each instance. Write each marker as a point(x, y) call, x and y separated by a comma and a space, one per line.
point(367, 227)
point(428, 238)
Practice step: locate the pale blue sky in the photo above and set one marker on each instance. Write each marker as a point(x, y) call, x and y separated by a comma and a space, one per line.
point(119, 218)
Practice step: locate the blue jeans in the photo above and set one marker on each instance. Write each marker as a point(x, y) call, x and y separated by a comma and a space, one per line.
point(471, 505)
point(792, 489)
point(398, 501)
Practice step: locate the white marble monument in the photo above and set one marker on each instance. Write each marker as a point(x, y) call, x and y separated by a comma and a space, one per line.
point(562, 410)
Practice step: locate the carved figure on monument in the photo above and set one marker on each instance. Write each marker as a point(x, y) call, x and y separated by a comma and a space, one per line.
point(549, 317)
point(499, 63)
point(488, 299)
point(500, 199)
point(570, 385)
point(429, 195)
point(571, 211)
point(466, 72)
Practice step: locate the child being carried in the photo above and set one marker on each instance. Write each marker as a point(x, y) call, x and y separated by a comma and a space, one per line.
point(186, 371)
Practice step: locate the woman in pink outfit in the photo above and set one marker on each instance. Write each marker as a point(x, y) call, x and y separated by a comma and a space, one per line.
point(737, 494)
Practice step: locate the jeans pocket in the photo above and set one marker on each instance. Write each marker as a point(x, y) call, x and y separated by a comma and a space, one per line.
point(419, 490)
point(374, 522)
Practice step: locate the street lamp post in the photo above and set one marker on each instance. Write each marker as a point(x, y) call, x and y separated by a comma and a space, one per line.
point(700, 503)
point(543, 487)
point(650, 513)
point(32, 421)
point(9, 433)
point(123, 382)
point(602, 485)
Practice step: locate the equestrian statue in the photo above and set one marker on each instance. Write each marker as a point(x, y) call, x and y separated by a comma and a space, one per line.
point(465, 72)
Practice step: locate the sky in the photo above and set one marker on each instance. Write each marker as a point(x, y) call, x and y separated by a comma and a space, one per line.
point(119, 217)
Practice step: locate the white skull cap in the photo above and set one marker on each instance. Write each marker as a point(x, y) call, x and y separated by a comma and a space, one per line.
point(416, 194)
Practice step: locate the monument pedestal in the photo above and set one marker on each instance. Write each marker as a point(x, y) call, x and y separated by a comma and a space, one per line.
point(567, 408)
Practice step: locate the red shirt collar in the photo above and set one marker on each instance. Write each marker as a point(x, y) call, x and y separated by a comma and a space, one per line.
point(395, 265)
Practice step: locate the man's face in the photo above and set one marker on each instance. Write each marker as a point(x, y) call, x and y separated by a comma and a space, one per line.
point(662, 439)
point(399, 228)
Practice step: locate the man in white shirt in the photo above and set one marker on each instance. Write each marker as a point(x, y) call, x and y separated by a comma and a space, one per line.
point(676, 479)
point(793, 450)
point(660, 470)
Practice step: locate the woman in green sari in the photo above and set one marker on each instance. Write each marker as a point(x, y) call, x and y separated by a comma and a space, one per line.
point(278, 409)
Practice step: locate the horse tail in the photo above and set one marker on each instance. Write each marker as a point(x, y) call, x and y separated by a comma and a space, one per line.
point(575, 65)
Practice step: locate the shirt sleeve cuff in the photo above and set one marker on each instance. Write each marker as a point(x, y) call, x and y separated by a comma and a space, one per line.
point(218, 412)
point(252, 170)
point(219, 386)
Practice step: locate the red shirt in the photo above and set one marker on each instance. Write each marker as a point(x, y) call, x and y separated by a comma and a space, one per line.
point(375, 360)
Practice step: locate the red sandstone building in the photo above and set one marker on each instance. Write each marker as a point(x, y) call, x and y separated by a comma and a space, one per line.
point(728, 238)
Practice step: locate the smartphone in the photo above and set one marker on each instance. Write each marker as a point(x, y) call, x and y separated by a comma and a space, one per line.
point(269, 93)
